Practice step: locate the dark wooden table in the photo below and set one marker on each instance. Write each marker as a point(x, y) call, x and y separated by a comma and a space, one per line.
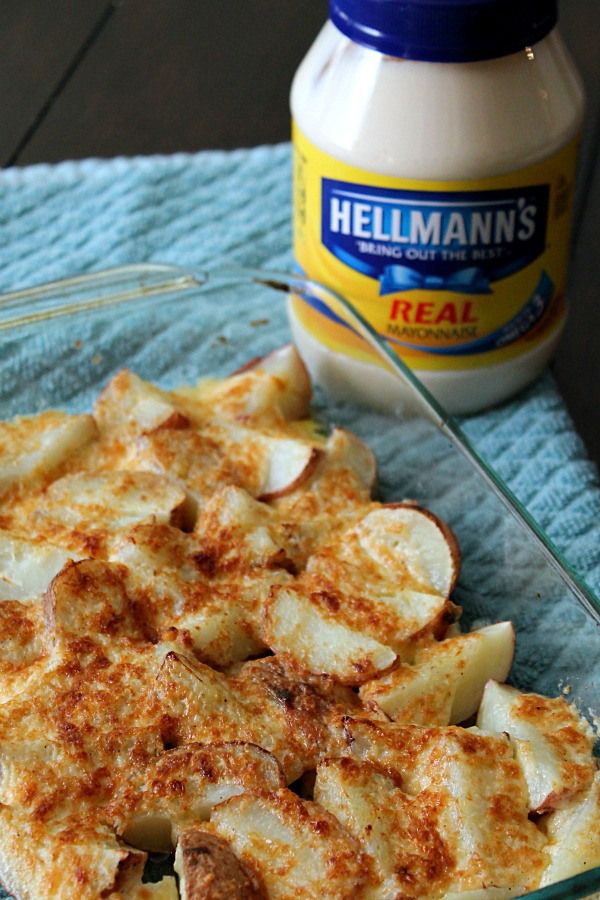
point(107, 77)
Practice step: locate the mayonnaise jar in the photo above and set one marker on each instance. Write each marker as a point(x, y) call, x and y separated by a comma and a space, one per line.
point(434, 164)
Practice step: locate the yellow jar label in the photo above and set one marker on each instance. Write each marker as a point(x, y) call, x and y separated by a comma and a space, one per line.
point(455, 275)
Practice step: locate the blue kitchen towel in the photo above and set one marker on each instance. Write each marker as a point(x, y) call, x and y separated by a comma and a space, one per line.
point(217, 208)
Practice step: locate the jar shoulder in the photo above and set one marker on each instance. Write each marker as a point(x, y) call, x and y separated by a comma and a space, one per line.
point(437, 120)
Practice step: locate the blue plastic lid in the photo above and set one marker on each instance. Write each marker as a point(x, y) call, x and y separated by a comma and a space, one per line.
point(445, 30)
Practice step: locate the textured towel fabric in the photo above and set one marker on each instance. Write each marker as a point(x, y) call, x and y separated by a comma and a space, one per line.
point(222, 208)
point(212, 209)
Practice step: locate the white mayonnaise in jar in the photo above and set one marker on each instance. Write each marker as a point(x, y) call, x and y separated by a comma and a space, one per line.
point(434, 166)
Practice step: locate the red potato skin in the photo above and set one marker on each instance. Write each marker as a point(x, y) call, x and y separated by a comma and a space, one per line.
point(176, 421)
point(306, 472)
point(181, 517)
point(448, 616)
point(447, 532)
point(253, 363)
point(213, 872)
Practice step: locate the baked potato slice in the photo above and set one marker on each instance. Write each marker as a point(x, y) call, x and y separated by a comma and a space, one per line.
point(406, 540)
point(292, 392)
point(268, 390)
point(188, 458)
point(445, 682)
point(34, 448)
point(473, 788)
point(89, 598)
point(352, 612)
point(334, 495)
point(269, 464)
point(321, 640)
point(553, 742)
point(235, 530)
point(51, 859)
point(296, 847)
point(574, 833)
point(183, 785)
point(109, 501)
point(27, 567)
point(129, 406)
point(398, 833)
point(189, 597)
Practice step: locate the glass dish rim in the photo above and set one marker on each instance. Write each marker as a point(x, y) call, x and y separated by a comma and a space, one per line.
point(167, 278)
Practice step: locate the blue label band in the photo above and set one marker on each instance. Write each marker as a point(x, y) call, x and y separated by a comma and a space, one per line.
point(457, 241)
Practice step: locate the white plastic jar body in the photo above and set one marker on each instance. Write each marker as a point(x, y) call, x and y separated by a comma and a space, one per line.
point(442, 122)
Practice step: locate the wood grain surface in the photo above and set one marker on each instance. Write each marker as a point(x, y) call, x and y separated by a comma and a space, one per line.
point(167, 75)
point(85, 78)
point(40, 45)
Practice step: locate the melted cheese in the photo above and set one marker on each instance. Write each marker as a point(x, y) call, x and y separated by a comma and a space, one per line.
point(147, 555)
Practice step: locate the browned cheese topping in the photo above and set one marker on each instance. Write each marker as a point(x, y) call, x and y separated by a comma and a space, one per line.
point(215, 643)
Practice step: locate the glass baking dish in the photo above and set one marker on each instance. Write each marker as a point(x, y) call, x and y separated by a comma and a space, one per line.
point(61, 342)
